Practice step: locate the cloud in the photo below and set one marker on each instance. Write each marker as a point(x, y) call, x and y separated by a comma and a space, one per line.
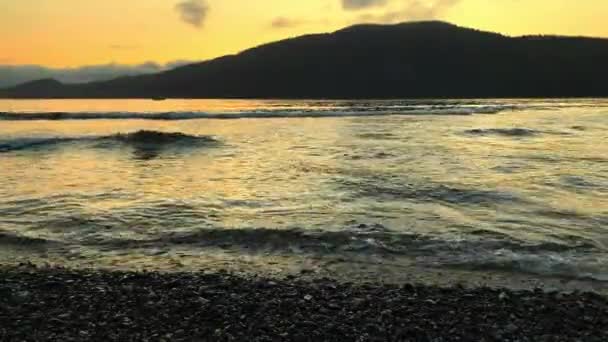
point(412, 10)
point(193, 12)
point(123, 47)
point(351, 5)
point(11, 75)
point(284, 22)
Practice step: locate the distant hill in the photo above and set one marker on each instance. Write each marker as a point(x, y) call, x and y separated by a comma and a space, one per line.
point(409, 60)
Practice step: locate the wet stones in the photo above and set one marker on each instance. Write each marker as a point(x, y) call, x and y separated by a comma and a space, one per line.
point(63, 305)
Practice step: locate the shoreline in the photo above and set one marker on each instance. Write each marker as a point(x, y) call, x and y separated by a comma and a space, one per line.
point(344, 267)
point(99, 305)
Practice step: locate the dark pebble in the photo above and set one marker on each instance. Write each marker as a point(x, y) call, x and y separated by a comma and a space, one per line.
point(63, 305)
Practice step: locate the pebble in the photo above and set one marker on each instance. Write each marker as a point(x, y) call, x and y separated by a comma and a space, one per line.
point(122, 306)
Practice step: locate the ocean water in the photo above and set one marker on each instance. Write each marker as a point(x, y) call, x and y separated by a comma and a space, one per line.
point(516, 186)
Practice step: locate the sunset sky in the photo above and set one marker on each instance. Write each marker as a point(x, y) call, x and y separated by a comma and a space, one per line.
point(73, 33)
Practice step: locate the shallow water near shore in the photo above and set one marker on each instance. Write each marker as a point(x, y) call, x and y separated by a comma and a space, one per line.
point(505, 189)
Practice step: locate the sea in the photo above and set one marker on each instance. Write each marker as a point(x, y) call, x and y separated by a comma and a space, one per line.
point(437, 190)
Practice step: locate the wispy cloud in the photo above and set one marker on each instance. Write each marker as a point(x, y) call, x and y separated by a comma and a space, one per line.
point(123, 47)
point(15, 74)
point(193, 12)
point(280, 23)
point(284, 22)
point(361, 4)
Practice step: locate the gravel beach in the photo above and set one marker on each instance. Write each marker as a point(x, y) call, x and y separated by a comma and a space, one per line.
point(67, 305)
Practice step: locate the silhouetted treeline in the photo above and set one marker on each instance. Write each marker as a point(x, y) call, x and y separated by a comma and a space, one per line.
point(422, 59)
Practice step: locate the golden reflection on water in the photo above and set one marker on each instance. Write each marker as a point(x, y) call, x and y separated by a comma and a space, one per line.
point(255, 160)
point(145, 106)
point(411, 174)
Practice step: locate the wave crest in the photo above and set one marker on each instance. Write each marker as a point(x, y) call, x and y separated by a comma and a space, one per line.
point(509, 132)
point(156, 137)
point(142, 137)
point(500, 252)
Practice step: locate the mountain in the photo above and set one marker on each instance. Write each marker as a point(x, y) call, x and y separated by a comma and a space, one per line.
point(416, 59)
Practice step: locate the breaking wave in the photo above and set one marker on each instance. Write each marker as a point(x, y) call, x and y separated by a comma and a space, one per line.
point(143, 137)
point(576, 260)
point(155, 137)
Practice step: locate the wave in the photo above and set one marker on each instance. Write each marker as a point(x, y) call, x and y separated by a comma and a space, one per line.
point(138, 138)
point(501, 253)
point(578, 182)
point(156, 137)
point(11, 239)
point(361, 238)
point(386, 188)
point(543, 264)
point(308, 109)
point(272, 113)
point(510, 132)
point(17, 144)
point(576, 257)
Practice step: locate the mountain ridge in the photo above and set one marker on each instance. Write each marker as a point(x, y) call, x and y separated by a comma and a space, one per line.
point(405, 60)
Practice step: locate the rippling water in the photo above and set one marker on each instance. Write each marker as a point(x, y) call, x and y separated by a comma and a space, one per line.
point(494, 185)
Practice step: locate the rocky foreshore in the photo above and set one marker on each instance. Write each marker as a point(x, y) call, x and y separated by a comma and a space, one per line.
point(68, 305)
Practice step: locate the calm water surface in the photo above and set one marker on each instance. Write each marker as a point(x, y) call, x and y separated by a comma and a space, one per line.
point(495, 185)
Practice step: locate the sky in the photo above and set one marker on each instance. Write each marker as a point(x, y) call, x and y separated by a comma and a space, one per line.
point(81, 40)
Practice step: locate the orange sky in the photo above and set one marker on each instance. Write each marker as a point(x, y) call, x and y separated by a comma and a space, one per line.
point(69, 33)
